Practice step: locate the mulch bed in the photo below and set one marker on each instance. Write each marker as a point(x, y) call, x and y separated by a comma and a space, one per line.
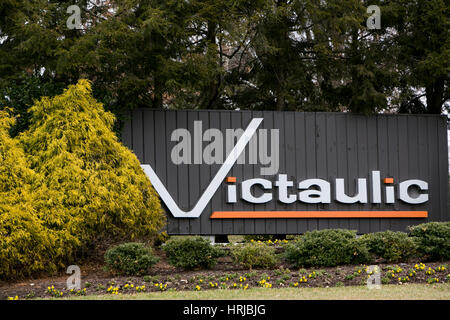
point(225, 275)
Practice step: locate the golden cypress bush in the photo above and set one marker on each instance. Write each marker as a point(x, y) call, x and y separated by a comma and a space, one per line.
point(26, 245)
point(68, 181)
point(95, 184)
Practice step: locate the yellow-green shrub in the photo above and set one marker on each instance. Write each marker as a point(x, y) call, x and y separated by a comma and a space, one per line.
point(69, 180)
point(95, 184)
point(26, 245)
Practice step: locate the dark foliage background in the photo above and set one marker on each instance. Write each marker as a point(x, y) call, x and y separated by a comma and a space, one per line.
point(226, 54)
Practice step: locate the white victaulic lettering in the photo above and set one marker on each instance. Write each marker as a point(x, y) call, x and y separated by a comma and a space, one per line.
point(231, 193)
point(376, 187)
point(361, 195)
point(321, 195)
point(390, 197)
point(283, 184)
point(247, 192)
point(404, 191)
point(259, 190)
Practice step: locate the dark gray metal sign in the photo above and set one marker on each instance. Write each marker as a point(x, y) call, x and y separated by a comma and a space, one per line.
point(264, 172)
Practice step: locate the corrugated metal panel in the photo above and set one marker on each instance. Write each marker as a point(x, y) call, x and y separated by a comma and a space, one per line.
point(312, 145)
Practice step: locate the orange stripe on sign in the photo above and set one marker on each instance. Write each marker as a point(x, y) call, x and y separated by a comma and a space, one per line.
point(231, 179)
point(317, 214)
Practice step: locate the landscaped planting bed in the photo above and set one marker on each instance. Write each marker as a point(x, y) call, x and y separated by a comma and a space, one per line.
point(224, 275)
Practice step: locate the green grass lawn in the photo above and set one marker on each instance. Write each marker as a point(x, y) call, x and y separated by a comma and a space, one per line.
point(387, 292)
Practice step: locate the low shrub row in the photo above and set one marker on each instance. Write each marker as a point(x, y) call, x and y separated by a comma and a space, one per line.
point(327, 248)
point(190, 253)
point(429, 241)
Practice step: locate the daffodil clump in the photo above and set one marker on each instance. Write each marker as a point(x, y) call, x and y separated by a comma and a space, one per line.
point(419, 266)
point(303, 279)
point(393, 270)
point(264, 283)
point(441, 268)
point(312, 275)
point(412, 273)
point(197, 288)
point(432, 280)
point(241, 286)
point(128, 286)
point(242, 279)
point(13, 298)
point(398, 269)
point(213, 284)
point(376, 269)
point(161, 286)
point(430, 271)
point(270, 242)
point(113, 290)
point(54, 292)
point(391, 273)
point(140, 288)
point(224, 278)
point(81, 292)
point(403, 279)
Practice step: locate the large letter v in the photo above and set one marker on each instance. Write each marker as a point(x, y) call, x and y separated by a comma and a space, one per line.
point(214, 184)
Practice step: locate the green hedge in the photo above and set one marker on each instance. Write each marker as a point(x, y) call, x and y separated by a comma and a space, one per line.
point(433, 239)
point(191, 252)
point(254, 255)
point(327, 248)
point(391, 246)
point(130, 258)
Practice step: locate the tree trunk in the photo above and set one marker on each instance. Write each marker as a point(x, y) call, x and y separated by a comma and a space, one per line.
point(212, 92)
point(435, 96)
